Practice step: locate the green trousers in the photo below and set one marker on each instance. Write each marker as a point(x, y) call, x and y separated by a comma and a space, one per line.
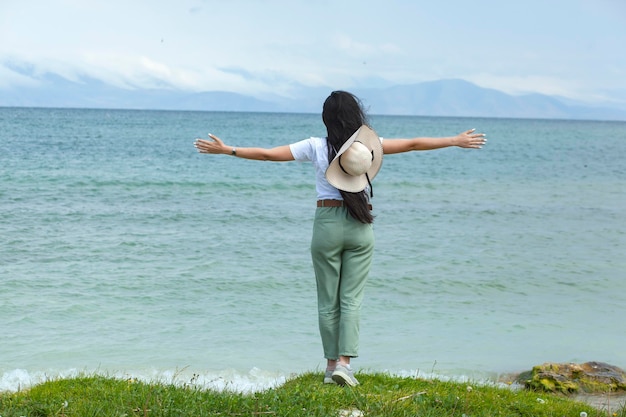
point(342, 250)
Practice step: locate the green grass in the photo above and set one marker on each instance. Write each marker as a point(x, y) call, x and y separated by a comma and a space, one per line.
point(303, 395)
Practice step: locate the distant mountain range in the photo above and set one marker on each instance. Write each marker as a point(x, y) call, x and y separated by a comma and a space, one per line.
point(454, 97)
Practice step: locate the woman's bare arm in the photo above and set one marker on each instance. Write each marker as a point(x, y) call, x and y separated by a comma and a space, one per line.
point(217, 146)
point(467, 139)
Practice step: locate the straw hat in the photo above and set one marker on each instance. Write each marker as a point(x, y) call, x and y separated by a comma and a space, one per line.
point(357, 162)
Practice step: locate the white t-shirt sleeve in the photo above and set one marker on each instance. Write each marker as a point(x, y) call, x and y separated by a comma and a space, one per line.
point(303, 150)
point(314, 150)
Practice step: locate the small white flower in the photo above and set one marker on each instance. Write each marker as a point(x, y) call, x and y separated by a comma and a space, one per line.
point(351, 413)
point(65, 404)
point(541, 401)
point(583, 414)
point(469, 388)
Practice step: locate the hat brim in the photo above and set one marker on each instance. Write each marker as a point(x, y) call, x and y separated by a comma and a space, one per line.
point(356, 183)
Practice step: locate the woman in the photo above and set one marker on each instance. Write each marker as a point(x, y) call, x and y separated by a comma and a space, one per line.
point(345, 162)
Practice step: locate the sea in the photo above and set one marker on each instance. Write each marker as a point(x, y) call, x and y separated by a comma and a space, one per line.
point(126, 253)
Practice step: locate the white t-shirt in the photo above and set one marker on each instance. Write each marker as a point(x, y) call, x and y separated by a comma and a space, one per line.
point(316, 151)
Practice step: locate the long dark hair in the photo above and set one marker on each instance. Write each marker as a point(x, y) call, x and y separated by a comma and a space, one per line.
point(343, 114)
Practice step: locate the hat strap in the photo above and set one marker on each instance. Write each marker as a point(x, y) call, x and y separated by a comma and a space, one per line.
point(341, 166)
point(368, 179)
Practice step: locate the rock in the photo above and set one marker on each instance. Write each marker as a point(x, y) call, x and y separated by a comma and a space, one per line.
point(590, 377)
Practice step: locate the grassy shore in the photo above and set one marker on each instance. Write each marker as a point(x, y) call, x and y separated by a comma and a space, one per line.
point(302, 395)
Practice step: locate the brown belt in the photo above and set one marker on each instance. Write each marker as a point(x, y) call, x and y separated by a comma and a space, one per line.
point(334, 203)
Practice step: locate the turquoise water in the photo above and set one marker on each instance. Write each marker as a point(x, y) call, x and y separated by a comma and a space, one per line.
point(126, 252)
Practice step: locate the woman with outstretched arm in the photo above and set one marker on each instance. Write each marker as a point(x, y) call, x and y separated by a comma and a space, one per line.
point(345, 161)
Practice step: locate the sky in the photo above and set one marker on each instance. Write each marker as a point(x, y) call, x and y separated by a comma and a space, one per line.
point(571, 48)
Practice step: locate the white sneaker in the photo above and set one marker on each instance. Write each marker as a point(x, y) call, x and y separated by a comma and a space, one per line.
point(343, 375)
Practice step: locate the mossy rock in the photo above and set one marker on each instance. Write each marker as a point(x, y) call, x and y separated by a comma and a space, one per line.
point(569, 378)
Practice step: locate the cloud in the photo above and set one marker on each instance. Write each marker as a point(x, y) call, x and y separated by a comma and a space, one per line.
point(11, 77)
point(564, 86)
point(270, 47)
point(524, 84)
point(357, 49)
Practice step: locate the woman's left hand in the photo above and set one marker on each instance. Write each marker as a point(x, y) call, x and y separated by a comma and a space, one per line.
point(469, 139)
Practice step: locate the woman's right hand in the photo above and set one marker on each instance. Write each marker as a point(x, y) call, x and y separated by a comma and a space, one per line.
point(213, 146)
